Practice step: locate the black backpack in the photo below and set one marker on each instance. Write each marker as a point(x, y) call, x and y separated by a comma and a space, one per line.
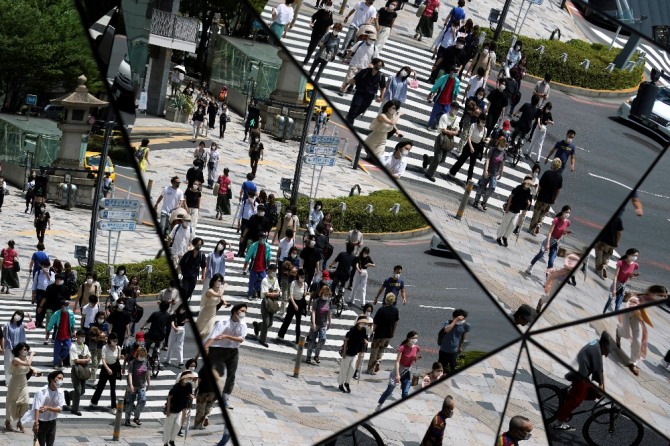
point(137, 313)
point(440, 336)
point(273, 215)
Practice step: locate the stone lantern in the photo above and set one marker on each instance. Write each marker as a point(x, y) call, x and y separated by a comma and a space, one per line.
point(68, 176)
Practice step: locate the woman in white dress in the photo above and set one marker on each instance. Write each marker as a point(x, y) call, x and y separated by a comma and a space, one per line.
point(208, 306)
point(384, 123)
point(18, 399)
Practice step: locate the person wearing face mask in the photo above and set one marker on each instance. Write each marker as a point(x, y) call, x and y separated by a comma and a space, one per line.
point(118, 282)
point(17, 397)
point(427, 19)
point(195, 172)
point(434, 375)
point(10, 258)
point(321, 21)
point(386, 16)
point(344, 263)
point(408, 354)
point(519, 429)
point(89, 312)
point(384, 325)
point(47, 404)
point(474, 148)
point(395, 285)
point(175, 341)
point(258, 224)
point(361, 264)
point(257, 260)
point(519, 199)
point(444, 142)
point(42, 222)
point(42, 279)
point(192, 266)
point(80, 358)
point(559, 227)
point(320, 323)
point(289, 221)
point(565, 150)
point(139, 379)
point(486, 59)
point(435, 432)
point(444, 93)
point(297, 302)
point(542, 120)
point(396, 89)
point(110, 371)
point(452, 340)
point(64, 323)
point(514, 56)
point(172, 198)
point(224, 194)
point(364, 13)
point(159, 321)
point(216, 263)
point(13, 333)
point(454, 56)
point(526, 114)
point(310, 258)
point(222, 346)
point(498, 103)
point(548, 190)
point(396, 162)
point(626, 268)
point(355, 342)
point(192, 196)
point(179, 400)
point(534, 183)
point(383, 125)
point(474, 84)
point(209, 303)
point(270, 293)
point(119, 321)
point(54, 296)
point(97, 335)
point(367, 81)
point(541, 90)
point(285, 244)
point(90, 287)
point(452, 23)
point(326, 50)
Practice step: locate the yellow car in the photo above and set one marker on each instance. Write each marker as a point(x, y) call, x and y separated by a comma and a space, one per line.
point(92, 161)
point(320, 103)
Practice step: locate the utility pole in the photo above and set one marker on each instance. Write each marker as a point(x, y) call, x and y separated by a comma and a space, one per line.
point(501, 20)
point(305, 129)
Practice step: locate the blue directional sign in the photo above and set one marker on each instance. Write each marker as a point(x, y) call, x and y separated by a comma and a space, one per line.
point(120, 203)
point(323, 140)
point(537, 2)
point(318, 160)
point(118, 215)
point(31, 99)
point(322, 150)
point(105, 225)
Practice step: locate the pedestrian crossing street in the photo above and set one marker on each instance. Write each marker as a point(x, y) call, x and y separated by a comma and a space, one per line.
point(416, 111)
point(236, 291)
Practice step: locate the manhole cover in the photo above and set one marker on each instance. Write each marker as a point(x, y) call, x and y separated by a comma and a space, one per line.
point(448, 264)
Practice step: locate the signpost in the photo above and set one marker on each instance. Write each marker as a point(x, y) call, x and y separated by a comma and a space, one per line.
point(117, 225)
point(321, 152)
point(118, 215)
point(31, 100)
point(120, 203)
point(318, 160)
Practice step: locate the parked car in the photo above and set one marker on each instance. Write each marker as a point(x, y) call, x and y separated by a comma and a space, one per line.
point(659, 121)
point(53, 111)
point(92, 161)
point(438, 246)
point(320, 103)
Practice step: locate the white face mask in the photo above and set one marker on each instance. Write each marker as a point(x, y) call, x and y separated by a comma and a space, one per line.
point(59, 282)
point(17, 318)
point(101, 321)
point(485, 51)
point(459, 46)
point(271, 274)
point(121, 307)
point(404, 73)
point(219, 247)
point(404, 153)
point(396, 276)
point(413, 341)
point(566, 215)
point(293, 256)
point(288, 215)
point(241, 315)
point(501, 88)
point(633, 258)
point(480, 96)
point(460, 322)
point(318, 208)
point(528, 435)
point(535, 174)
point(58, 382)
point(23, 353)
point(81, 340)
point(391, 7)
point(192, 369)
point(261, 214)
point(328, 8)
point(312, 244)
point(89, 281)
point(569, 140)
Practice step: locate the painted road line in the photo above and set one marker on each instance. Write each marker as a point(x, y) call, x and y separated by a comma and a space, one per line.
point(436, 308)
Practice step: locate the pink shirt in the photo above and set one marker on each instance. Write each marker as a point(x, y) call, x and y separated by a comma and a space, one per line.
point(408, 355)
point(626, 270)
point(560, 226)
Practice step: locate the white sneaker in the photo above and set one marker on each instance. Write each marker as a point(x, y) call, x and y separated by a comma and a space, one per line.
point(378, 408)
point(529, 271)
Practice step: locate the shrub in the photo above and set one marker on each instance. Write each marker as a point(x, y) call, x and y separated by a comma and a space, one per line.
point(571, 73)
point(381, 219)
point(159, 279)
point(467, 358)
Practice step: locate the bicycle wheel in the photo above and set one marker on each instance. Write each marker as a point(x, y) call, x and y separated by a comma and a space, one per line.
point(550, 401)
point(365, 435)
point(612, 426)
point(340, 306)
point(155, 365)
point(517, 156)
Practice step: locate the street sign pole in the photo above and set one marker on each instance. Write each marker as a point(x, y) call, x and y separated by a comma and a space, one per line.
point(98, 187)
point(501, 20)
point(318, 179)
point(118, 234)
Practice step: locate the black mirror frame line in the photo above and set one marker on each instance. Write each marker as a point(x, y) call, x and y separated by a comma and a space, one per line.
point(605, 393)
point(590, 247)
point(154, 216)
point(522, 344)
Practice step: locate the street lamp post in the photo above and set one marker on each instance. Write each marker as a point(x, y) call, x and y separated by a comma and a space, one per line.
point(501, 20)
point(305, 129)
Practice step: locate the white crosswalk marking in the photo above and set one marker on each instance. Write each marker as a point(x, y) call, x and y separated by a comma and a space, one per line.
point(416, 111)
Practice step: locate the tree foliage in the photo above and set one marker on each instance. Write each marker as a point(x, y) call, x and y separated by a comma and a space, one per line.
point(43, 50)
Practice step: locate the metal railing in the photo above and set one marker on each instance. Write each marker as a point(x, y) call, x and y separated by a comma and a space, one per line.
point(172, 26)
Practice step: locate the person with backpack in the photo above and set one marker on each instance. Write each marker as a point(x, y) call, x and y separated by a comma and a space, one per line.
point(326, 51)
point(53, 296)
point(181, 236)
point(30, 192)
point(172, 198)
point(192, 266)
point(142, 155)
point(358, 58)
point(247, 199)
point(451, 338)
point(44, 277)
point(364, 13)
point(64, 323)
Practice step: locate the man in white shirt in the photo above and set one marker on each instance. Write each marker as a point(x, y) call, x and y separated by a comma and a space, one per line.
point(541, 90)
point(47, 404)
point(269, 290)
point(285, 245)
point(222, 347)
point(363, 13)
point(88, 312)
point(475, 82)
point(80, 355)
point(172, 198)
point(362, 54)
point(396, 162)
point(182, 236)
point(444, 143)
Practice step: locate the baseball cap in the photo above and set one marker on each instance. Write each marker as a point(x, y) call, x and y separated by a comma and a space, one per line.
point(506, 125)
point(325, 275)
point(139, 336)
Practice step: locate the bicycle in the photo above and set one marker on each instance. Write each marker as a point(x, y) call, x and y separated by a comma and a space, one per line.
point(514, 151)
point(337, 301)
point(607, 423)
point(154, 359)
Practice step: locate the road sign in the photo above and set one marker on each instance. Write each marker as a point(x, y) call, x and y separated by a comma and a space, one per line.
point(120, 203)
point(116, 225)
point(322, 150)
point(324, 140)
point(537, 2)
point(318, 160)
point(31, 99)
point(118, 215)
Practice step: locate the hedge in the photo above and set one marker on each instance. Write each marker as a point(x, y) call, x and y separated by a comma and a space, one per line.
point(571, 73)
point(467, 358)
point(381, 220)
point(159, 279)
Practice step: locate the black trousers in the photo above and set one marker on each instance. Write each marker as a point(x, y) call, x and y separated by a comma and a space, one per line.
point(225, 357)
point(448, 360)
point(290, 313)
point(313, 41)
point(222, 125)
point(466, 155)
point(102, 381)
point(359, 103)
point(188, 284)
point(319, 64)
point(46, 433)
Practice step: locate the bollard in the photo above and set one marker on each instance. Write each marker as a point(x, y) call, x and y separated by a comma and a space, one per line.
point(298, 357)
point(150, 184)
point(464, 200)
point(117, 420)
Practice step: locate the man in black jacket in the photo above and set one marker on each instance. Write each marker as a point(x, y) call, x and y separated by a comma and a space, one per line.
point(258, 223)
point(367, 81)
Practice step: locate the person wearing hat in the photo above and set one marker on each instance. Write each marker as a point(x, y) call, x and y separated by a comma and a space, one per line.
point(257, 260)
point(367, 81)
point(590, 367)
point(269, 304)
point(453, 56)
point(355, 343)
point(63, 322)
point(80, 355)
point(359, 57)
point(519, 199)
point(444, 142)
point(364, 13)
point(54, 295)
point(172, 198)
point(179, 400)
point(182, 235)
point(444, 93)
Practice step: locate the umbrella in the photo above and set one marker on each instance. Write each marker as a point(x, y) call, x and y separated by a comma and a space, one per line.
point(180, 68)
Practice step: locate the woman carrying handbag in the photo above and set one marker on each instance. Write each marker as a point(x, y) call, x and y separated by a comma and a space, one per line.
point(111, 371)
point(427, 18)
point(408, 354)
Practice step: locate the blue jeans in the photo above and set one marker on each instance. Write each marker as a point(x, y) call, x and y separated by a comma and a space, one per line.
point(61, 350)
point(553, 252)
point(141, 396)
point(437, 112)
point(619, 297)
point(315, 341)
point(405, 385)
point(485, 186)
point(255, 279)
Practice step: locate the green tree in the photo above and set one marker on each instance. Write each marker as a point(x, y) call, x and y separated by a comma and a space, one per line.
point(43, 49)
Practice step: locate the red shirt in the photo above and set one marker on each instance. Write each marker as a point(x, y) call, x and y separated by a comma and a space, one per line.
point(224, 181)
point(560, 226)
point(259, 260)
point(64, 327)
point(447, 92)
point(408, 354)
point(626, 270)
point(8, 260)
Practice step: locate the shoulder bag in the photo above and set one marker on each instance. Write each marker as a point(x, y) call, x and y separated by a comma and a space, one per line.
point(271, 305)
point(420, 10)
